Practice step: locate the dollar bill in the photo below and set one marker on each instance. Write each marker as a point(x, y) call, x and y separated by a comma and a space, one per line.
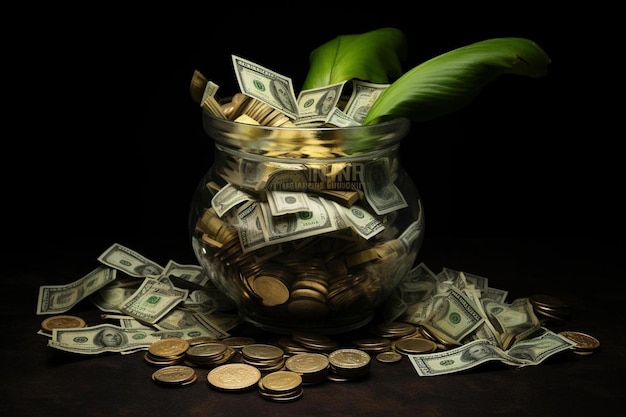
point(380, 191)
point(266, 85)
point(127, 322)
point(532, 351)
point(258, 228)
point(418, 285)
point(290, 227)
point(535, 350)
point(251, 226)
point(413, 231)
point(486, 330)
point(189, 273)
point(477, 281)
point(129, 261)
point(361, 221)
point(340, 119)
point(287, 202)
point(55, 299)
point(315, 105)
point(453, 315)
point(457, 359)
point(216, 325)
point(228, 197)
point(101, 338)
point(152, 300)
point(495, 294)
point(516, 319)
point(363, 96)
point(108, 299)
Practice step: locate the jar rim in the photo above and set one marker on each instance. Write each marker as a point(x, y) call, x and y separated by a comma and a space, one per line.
point(351, 139)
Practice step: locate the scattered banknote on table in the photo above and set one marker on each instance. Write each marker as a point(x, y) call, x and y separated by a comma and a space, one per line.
point(472, 322)
point(55, 299)
point(148, 301)
point(531, 351)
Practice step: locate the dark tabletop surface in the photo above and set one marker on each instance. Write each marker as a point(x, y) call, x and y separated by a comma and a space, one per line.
point(585, 273)
point(523, 187)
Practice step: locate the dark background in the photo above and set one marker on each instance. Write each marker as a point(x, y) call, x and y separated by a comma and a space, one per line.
point(103, 144)
point(110, 146)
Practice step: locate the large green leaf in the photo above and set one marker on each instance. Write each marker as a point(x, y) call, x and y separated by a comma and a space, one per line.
point(373, 56)
point(450, 81)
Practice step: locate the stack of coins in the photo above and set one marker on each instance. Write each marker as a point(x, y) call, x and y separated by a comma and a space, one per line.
point(393, 330)
point(312, 367)
point(281, 386)
point(166, 352)
point(175, 376)
point(389, 357)
point(288, 345)
point(245, 109)
point(265, 357)
point(373, 344)
point(348, 364)
point(309, 290)
point(218, 235)
point(209, 354)
point(315, 342)
point(234, 377)
point(238, 342)
point(414, 346)
point(442, 341)
point(200, 340)
point(549, 308)
point(585, 344)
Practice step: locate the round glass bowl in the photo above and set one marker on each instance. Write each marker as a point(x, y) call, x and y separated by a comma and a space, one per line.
point(306, 229)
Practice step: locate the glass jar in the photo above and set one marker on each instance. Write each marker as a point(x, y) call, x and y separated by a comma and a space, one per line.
point(306, 228)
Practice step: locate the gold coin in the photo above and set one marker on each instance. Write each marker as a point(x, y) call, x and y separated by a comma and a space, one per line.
point(271, 290)
point(262, 351)
point(170, 347)
point(200, 340)
point(238, 342)
point(281, 381)
point(174, 375)
point(415, 345)
point(348, 358)
point(306, 363)
point(207, 350)
point(389, 357)
point(62, 322)
point(583, 340)
point(234, 377)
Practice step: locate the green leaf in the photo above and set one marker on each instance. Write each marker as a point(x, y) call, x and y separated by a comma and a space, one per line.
point(373, 56)
point(450, 81)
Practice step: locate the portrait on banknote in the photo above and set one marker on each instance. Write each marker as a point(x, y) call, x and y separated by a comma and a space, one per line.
point(280, 91)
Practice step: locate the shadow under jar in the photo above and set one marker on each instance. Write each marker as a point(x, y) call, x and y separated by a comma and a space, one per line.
point(306, 228)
